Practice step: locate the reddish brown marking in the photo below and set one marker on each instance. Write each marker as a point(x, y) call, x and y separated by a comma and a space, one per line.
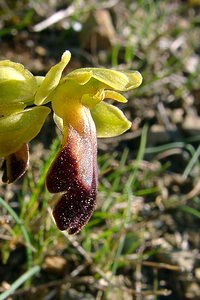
point(74, 174)
point(63, 172)
point(15, 165)
point(74, 208)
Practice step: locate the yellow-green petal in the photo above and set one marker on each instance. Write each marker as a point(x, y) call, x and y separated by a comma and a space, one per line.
point(20, 128)
point(109, 120)
point(116, 80)
point(135, 80)
point(17, 84)
point(52, 79)
point(90, 101)
point(81, 76)
point(115, 96)
point(58, 121)
point(39, 80)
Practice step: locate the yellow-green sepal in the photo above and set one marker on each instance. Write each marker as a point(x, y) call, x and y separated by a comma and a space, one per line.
point(116, 80)
point(81, 76)
point(20, 128)
point(17, 84)
point(109, 120)
point(8, 108)
point(51, 79)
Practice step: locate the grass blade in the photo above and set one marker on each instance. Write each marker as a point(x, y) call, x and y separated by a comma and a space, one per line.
point(128, 191)
point(190, 210)
point(23, 230)
point(20, 281)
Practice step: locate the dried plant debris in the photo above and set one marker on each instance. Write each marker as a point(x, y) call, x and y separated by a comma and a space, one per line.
point(143, 239)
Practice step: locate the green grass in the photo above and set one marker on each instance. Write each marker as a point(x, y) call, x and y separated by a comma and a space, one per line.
point(114, 232)
point(148, 195)
point(115, 239)
point(107, 238)
point(26, 276)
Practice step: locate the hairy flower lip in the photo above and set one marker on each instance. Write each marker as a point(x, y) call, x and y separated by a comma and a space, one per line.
point(75, 207)
point(73, 174)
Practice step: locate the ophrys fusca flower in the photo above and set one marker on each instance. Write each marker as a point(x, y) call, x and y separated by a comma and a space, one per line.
point(82, 115)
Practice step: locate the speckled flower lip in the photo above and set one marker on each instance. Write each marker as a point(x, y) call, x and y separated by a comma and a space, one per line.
point(73, 174)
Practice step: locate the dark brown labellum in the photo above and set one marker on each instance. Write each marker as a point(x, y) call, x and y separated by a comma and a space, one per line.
point(15, 165)
point(74, 174)
point(75, 207)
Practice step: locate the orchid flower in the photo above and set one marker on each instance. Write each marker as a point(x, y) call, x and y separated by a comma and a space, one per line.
point(19, 121)
point(82, 115)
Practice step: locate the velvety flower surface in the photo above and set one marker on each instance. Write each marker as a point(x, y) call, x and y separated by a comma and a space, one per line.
point(20, 122)
point(82, 115)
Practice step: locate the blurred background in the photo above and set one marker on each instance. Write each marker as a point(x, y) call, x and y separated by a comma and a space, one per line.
point(143, 240)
